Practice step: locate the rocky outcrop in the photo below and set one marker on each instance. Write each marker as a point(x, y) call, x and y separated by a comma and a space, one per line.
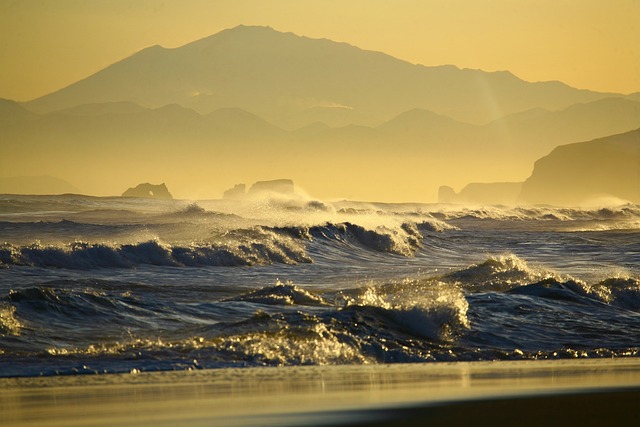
point(237, 192)
point(276, 187)
point(149, 191)
point(585, 172)
point(496, 193)
point(282, 187)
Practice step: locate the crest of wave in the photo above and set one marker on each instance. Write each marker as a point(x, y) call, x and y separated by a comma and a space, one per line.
point(436, 311)
point(9, 323)
point(399, 238)
point(498, 273)
point(236, 247)
point(623, 292)
point(404, 240)
point(314, 344)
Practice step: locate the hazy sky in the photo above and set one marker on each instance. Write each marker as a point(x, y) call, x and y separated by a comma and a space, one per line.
point(591, 44)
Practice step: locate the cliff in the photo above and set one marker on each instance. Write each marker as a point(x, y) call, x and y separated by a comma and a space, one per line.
point(579, 173)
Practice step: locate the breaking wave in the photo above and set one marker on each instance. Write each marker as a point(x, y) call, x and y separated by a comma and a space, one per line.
point(497, 273)
point(624, 217)
point(257, 245)
point(404, 240)
point(423, 319)
point(267, 248)
point(619, 292)
point(281, 294)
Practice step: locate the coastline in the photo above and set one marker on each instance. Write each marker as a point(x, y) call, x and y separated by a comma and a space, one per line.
point(585, 391)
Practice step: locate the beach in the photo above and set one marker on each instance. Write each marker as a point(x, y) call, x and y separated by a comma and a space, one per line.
point(554, 392)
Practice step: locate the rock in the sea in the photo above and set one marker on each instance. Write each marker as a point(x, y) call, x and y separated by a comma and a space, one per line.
point(235, 193)
point(149, 191)
point(282, 187)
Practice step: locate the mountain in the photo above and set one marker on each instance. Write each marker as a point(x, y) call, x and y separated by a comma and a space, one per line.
point(515, 140)
point(334, 116)
point(536, 132)
point(578, 173)
point(229, 141)
point(12, 112)
point(100, 109)
point(278, 75)
point(251, 103)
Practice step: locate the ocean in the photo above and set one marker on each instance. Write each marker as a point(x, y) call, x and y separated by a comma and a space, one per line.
point(120, 285)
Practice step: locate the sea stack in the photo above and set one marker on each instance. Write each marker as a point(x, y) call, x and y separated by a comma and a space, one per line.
point(149, 191)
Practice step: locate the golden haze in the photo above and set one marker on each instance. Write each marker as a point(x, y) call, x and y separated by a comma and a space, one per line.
point(45, 46)
point(587, 44)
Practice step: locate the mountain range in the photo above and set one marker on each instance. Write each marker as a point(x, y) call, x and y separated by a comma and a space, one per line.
point(278, 75)
point(250, 102)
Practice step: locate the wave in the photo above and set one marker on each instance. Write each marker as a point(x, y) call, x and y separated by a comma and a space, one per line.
point(97, 326)
point(392, 323)
point(255, 245)
point(403, 240)
point(497, 273)
point(424, 308)
point(509, 273)
point(619, 292)
point(268, 248)
point(624, 217)
point(62, 303)
point(281, 294)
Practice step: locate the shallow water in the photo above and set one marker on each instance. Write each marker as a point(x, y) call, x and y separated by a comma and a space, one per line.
point(93, 285)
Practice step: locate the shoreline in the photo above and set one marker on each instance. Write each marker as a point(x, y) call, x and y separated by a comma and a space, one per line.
point(588, 391)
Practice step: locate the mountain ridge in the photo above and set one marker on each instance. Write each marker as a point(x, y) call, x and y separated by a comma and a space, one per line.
point(245, 100)
point(272, 74)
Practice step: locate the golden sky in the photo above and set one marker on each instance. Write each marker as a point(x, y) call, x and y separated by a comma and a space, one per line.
point(591, 44)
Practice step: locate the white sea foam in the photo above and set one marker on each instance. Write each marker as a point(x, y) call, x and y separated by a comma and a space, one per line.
point(9, 323)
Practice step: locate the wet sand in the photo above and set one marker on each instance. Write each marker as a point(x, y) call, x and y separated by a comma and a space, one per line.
point(563, 392)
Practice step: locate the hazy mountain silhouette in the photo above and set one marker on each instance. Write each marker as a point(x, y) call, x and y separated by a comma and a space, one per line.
point(12, 112)
point(277, 75)
point(110, 135)
point(578, 173)
point(535, 132)
point(523, 137)
point(349, 118)
point(332, 116)
point(99, 109)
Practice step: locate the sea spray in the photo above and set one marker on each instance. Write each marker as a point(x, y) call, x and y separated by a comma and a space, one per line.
point(104, 285)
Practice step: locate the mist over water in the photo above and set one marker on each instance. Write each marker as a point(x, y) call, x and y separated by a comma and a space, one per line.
point(93, 285)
